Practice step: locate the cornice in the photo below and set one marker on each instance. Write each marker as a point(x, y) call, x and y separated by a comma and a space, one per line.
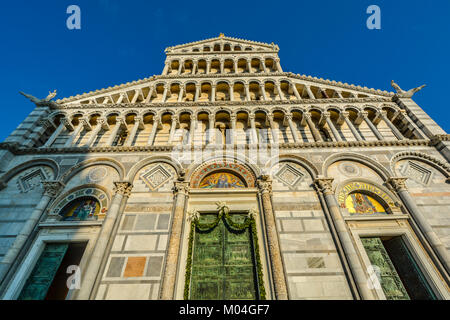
point(225, 103)
point(285, 146)
point(180, 46)
point(209, 53)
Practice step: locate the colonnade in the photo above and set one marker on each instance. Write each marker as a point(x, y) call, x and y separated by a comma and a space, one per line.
point(228, 127)
point(223, 90)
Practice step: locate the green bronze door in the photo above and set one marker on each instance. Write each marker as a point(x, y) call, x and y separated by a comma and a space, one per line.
point(223, 263)
point(42, 276)
point(390, 281)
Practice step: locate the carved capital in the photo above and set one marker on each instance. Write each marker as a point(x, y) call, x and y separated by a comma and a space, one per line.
point(264, 184)
point(181, 187)
point(67, 124)
point(52, 188)
point(398, 183)
point(123, 188)
point(324, 185)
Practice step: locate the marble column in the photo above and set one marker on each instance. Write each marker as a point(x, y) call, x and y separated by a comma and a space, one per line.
point(324, 185)
point(211, 129)
point(292, 127)
point(192, 128)
point(149, 96)
point(181, 191)
point(351, 126)
point(263, 91)
point(253, 129)
point(310, 94)
point(263, 65)
point(180, 94)
point(222, 66)
point(180, 68)
point(195, 67)
point(332, 126)
point(280, 93)
point(197, 92)
point(249, 66)
point(120, 123)
point(213, 93)
point(279, 69)
point(371, 125)
point(166, 68)
point(231, 93)
point(74, 134)
point(312, 127)
point(247, 91)
point(279, 281)
point(235, 63)
point(166, 92)
point(102, 124)
point(156, 124)
point(233, 118)
point(122, 191)
point(138, 123)
point(173, 128)
point(399, 185)
point(208, 66)
point(54, 136)
point(393, 128)
point(274, 137)
point(294, 89)
point(51, 191)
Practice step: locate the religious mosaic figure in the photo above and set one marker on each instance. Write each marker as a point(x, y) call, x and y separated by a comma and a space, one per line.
point(363, 204)
point(222, 181)
point(84, 210)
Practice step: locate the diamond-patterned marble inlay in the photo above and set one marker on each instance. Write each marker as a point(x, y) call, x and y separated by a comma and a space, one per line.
point(289, 176)
point(416, 172)
point(31, 180)
point(156, 177)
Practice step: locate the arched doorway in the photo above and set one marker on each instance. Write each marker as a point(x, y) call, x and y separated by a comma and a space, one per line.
point(223, 259)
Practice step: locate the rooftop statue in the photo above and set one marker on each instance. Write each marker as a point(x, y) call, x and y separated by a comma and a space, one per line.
point(42, 102)
point(405, 94)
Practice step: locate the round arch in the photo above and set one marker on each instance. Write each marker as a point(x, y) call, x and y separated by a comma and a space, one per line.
point(439, 165)
point(304, 163)
point(93, 162)
point(365, 187)
point(147, 161)
point(350, 156)
point(29, 164)
point(242, 168)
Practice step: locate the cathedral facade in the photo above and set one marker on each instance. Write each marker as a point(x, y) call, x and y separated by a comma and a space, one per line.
point(224, 178)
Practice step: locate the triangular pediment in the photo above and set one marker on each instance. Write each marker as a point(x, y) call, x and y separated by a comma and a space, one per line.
point(225, 43)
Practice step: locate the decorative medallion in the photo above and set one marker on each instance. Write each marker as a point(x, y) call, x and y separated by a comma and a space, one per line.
point(97, 174)
point(156, 177)
point(349, 169)
point(289, 176)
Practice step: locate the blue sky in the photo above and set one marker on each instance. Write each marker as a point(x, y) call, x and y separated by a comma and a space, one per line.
point(122, 41)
